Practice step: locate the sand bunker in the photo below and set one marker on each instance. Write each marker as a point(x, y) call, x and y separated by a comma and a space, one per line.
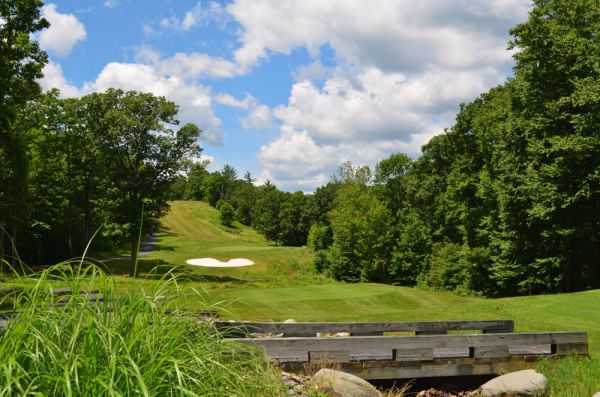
point(212, 262)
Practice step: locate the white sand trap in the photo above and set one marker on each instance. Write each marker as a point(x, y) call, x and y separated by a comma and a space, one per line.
point(212, 262)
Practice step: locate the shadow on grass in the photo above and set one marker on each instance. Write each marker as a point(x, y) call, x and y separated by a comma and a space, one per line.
point(158, 269)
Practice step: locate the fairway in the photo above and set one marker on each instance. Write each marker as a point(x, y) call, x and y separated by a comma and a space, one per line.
point(283, 285)
point(191, 229)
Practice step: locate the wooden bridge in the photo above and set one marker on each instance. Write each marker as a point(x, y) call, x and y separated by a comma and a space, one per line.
point(405, 350)
point(389, 350)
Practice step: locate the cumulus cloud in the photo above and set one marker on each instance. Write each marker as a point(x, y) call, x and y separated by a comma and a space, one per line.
point(197, 15)
point(395, 34)
point(54, 78)
point(402, 68)
point(258, 118)
point(64, 33)
point(377, 105)
point(231, 101)
point(195, 99)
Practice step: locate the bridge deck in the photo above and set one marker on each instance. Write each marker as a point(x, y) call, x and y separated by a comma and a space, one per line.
point(406, 357)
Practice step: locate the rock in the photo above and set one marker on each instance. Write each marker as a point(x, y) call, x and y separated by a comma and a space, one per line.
point(597, 394)
point(290, 321)
point(520, 383)
point(340, 384)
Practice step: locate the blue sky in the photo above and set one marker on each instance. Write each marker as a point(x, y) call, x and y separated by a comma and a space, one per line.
point(288, 90)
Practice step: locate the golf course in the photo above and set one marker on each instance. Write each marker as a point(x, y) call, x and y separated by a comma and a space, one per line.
point(282, 285)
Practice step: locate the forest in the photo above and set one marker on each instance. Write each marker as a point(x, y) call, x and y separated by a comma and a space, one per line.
point(504, 202)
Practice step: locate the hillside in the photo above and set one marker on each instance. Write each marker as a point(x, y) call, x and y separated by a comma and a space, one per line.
point(282, 285)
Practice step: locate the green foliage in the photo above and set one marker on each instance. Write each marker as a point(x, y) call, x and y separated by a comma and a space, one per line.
point(194, 182)
point(226, 213)
point(319, 237)
point(360, 223)
point(96, 161)
point(138, 344)
point(21, 63)
point(410, 256)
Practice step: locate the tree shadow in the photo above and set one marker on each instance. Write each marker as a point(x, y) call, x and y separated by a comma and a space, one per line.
point(157, 269)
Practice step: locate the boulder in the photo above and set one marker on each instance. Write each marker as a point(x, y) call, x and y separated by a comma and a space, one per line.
point(597, 394)
point(340, 384)
point(520, 383)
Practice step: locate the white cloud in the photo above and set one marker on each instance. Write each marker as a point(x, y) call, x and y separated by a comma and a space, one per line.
point(192, 17)
point(258, 118)
point(197, 15)
point(54, 78)
point(377, 105)
point(196, 65)
point(194, 99)
point(391, 34)
point(231, 101)
point(64, 33)
point(314, 71)
point(403, 67)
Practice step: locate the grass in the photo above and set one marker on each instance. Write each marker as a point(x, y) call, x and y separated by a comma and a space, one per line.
point(283, 285)
point(134, 345)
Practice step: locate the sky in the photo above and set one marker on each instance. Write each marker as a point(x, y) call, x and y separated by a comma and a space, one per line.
point(285, 89)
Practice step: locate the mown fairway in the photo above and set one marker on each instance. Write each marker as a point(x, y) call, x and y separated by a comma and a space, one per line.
point(282, 286)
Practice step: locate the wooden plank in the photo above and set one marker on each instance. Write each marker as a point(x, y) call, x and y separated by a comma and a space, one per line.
point(444, 352)
point(439, 331)
point(311, 329)
point(422, 354)
point(412, 370)
point(531, 350)
point(564, 349)
point(491, 351)
point(278, 347)
point(371, 356)
point(329, 357)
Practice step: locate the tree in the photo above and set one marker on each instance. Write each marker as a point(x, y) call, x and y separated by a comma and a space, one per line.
point(558, 100)
point(21, 63)
point(142, 155)
point(226, 213)
point(266, 211)
point(196, 178)
point(360, 224)
point(389, 177)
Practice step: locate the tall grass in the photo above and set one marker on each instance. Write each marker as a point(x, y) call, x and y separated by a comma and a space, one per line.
point(135, 345)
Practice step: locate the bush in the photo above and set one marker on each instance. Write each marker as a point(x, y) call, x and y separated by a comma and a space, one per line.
point(319, 237)
point(459, 268)
point(139, 344)
point(226, 213)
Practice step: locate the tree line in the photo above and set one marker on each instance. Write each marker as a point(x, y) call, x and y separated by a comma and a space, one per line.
point(72, 167)
point(506, 201)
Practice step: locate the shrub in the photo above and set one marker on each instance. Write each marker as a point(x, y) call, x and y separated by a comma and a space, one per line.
point(139, 344)
point(319, 237)
point(226, 213)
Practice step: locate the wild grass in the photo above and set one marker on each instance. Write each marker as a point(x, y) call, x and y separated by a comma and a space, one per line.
point(141, 344)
